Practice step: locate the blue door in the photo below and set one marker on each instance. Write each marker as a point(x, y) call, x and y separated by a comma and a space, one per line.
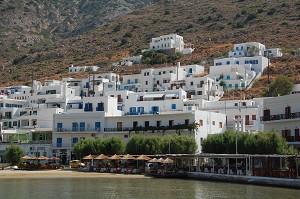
point(59, 127)
point(97, 126)
point(74, 126)
point(58, 142)
point(82, 126)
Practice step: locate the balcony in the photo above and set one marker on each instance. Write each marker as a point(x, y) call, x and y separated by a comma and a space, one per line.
point(143, 113)
point(280, 117)
point(292, 138)
point(77, 130)
point(178, 127)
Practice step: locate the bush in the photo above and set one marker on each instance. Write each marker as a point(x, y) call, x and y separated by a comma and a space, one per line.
point(271, 11)
point(13, 154)
point(250, 17)
point(248, 143)
point(283, 85)
point(167, 12)
point(117, 28)
point(128, 34)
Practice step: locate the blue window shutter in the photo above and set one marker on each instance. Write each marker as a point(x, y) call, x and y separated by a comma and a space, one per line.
point(59, 125)
point(97, 126)
point(74, 126)
point(173, 106)
point(82, 126)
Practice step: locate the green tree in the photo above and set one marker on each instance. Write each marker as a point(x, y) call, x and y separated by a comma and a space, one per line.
point(178, 145)
point(113, 145)
point(13, 154)
point(283, 85)
point(88, 146)
point(143, 145)
point(248, 143)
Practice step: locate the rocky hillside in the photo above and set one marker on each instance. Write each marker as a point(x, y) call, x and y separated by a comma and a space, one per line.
point(212, 27)
point(27, 24)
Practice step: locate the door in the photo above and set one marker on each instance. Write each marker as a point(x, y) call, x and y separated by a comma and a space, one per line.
point(119, 126)
point(247, 122)
point(287, 112)
point(267, 115)
point(82, 126)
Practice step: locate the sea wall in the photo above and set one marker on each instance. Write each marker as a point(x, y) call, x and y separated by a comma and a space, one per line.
point(267, 181)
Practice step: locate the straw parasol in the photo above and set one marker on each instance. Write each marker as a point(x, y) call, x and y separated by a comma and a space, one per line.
point(153, 160)
point(128, 157)
point(54, 158)
point(101, 157)
point(25, 157)
point(168, 161)
point(115, 157)
point(161, 160)
point(42, 158)
point(88, 157)
point(143, 157)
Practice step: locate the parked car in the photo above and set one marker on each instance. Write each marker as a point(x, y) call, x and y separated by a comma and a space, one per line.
point(76, 164)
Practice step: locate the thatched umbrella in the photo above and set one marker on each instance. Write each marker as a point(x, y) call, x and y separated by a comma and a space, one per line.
point(143, 157)
point(161, 160)
point(101, 157)
point(88, 157)
point(42, 158)
point(153, 160)
point(25, 157)
point(115, 157)
point(168, 161)
point(128, 157)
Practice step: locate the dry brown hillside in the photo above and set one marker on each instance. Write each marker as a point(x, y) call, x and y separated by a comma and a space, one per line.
point(212, 27)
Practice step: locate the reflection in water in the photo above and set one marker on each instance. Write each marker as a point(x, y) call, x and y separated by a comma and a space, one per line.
point(82, 188)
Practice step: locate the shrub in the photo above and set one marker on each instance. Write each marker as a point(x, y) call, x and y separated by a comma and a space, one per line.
point(13, 154)
point(271, 11)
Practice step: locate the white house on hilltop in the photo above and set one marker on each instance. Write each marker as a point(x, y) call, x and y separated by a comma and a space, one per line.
point(171, 41)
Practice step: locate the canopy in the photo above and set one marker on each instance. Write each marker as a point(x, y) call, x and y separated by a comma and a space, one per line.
point(143, 157)
point(153, 95)
point(168, 161)
point(42, 158)
point(115, 157)
point(101, 157)
point(128, 157)
point(89, 157)
point(153, 160)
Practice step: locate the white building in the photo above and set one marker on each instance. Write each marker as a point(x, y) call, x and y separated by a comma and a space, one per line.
point(169, 42)
point(245, 112)
point(273, 52)
point(80, 69)
point(129, 61)
point(248, 49)
point(282, 114)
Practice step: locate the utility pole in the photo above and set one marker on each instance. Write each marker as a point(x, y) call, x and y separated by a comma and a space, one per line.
point(268, 73)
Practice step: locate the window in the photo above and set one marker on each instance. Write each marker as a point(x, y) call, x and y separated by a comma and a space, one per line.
point(200, 122)
point(146, 82)
point(247, 62)
point(214, 123)
point(146, 123)
point(254, 61)
point(74, 141)
point(100, 107)
point(135, 124)
point(155, 109)
point(164, 72)
point(230, 85)
point(88, 107)
point(82, 126)
point(173, 106)
point(136, 81)
point(199, 92)
point(141, 109)
point(237, 62)
point(58, 142)
point(220, 125)
point(74, 126)
point(186, 121)
point(97, 126)
point(253, 117)
point(192, 83)
point(128, 81)
point(228, 62)
point(158, 123)
point(171, 122)
point(159, 73)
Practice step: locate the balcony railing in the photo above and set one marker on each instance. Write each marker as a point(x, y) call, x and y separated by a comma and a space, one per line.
point(77, 130)
point(178, 127)
point(142, 113)
point(280, 117)
point(293, 138)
